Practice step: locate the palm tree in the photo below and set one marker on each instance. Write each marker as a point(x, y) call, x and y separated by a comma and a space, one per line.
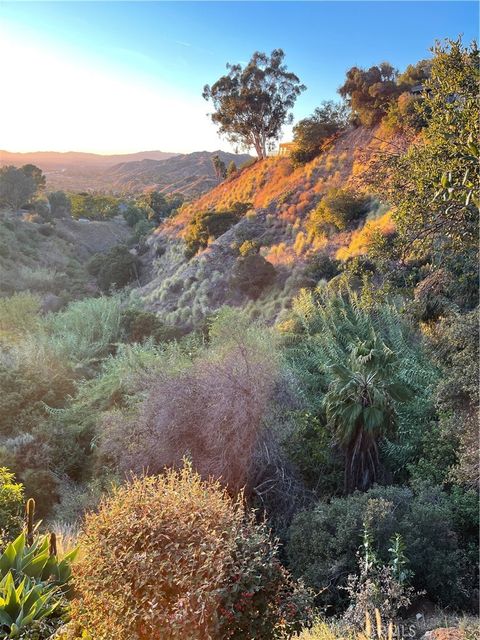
point(360, 406)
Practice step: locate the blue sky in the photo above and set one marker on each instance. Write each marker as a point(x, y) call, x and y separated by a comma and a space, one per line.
point(125, 76)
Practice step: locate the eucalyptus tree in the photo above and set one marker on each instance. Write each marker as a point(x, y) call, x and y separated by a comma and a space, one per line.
point(252, 103)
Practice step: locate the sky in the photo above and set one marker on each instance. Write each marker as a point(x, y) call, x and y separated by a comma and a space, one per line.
point(120, 77)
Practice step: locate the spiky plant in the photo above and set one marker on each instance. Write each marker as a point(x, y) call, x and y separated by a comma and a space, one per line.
point(360, 405)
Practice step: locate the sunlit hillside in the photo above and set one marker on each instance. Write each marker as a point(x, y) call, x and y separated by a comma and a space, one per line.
point(279, 200)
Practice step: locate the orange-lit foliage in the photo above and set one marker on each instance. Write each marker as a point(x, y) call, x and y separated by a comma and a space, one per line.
point(288, 195)
point(280, 255)
point(362, 239)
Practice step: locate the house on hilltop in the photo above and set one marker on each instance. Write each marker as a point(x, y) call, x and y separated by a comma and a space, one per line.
point(285, 148)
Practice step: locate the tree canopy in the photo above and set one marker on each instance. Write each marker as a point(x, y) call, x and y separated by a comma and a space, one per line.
point(433, 186)
point(311, 133)
point(252, 103)
point(369, 91)
point(16, 187)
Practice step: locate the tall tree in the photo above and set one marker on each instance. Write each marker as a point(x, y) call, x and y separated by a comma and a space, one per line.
point(16, 188)
point(231, 169)
point(369, 91)
point(433, 186)
point(36, 173)
point(219, 168)
point(252, 103)
point(311, 133)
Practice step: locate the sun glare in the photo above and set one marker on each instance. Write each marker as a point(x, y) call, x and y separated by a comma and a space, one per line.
point(75, 105)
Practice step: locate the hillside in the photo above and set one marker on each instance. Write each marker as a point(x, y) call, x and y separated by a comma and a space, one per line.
point(50, 258)
point(281, 197)
point(191, 174)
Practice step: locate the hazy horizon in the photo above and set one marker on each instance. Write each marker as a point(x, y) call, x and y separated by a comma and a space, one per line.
point(116, 78)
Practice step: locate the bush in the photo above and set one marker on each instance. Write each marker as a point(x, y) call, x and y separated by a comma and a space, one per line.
point(116, 268)
point(336, 211)
point(211, 409)
point(311, 133)
point(85, 331)
point(252, 273)
point(323, 542)
point(321, 266)
point(248, 247)
point(11, 503)
point(212, 224)
point(19, 314)
point(177, 556)
point(140, 325)
point(93, 207)
point(60, 205)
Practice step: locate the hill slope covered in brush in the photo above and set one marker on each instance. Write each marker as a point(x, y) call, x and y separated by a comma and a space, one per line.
point(278, 199)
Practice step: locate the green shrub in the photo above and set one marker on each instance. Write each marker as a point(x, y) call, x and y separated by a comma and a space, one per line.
point(116, 268)
point(252, 274)
point(140, 325)
point(323, 542)
point(86, 330)
point(311, 133)
point(11, 502)
point(321, 266)
point(19, 314)
point(177, 556)
point(248, 247)
point(212, 224)
point(336, 211)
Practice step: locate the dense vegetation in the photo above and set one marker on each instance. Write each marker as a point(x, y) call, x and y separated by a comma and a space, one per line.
point(310, 449)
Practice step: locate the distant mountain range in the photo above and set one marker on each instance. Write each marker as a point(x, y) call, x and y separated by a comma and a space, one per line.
point(56, 160)
point(191, 174)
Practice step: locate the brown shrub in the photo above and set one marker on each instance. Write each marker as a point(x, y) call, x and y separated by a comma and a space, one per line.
point(211, 412)
point(175, 558)
point(153, 557)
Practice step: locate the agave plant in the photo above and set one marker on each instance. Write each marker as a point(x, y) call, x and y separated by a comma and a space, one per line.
point(36, 562)
point(24, 604)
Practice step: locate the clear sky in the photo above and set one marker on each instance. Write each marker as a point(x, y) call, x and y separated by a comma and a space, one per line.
point(118, 77)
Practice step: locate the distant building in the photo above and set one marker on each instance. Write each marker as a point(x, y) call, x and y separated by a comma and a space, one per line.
point(285, 148)
point(417, 90)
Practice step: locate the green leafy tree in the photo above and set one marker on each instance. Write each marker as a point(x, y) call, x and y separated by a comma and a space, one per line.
point(311, 133)
point(415, 74)
point(93, 207)
point(16, 187)
point(252, 103)
point(434, 185)
point(231, 169)
point(160, 205)
point(34, 172)
point(60, 205)
point(118, 267)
